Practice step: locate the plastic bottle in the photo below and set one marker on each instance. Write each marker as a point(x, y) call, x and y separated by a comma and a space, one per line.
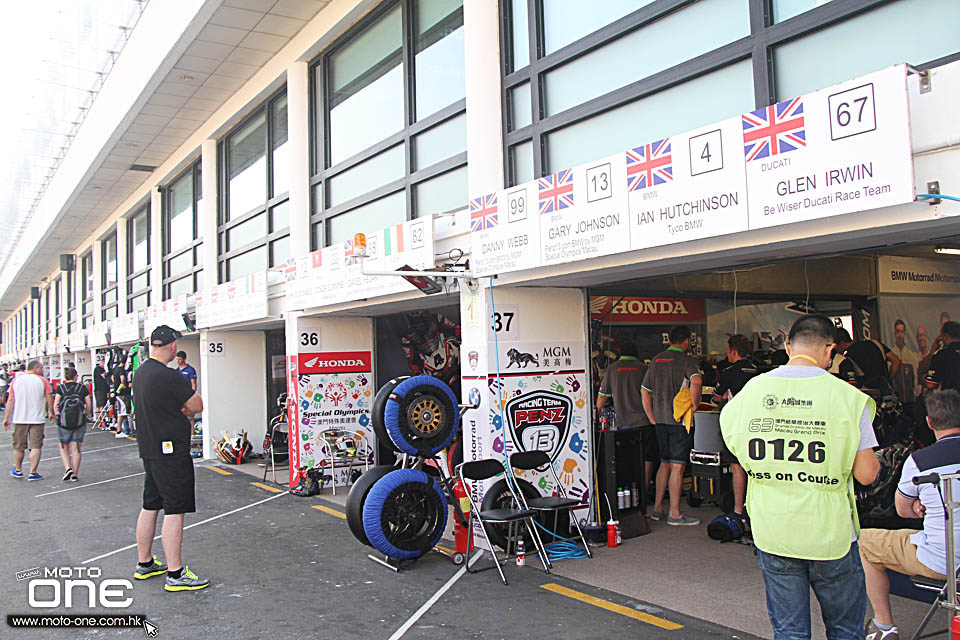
point(521, 554)
point(613, 533)
point(635, 495)
point(621, 498)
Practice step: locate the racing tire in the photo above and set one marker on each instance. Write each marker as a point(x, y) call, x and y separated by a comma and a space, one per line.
point(693, 501)
point(421, 416)
point(356, 498)
point(499, 497)
point(404, 514)
point(377, 409)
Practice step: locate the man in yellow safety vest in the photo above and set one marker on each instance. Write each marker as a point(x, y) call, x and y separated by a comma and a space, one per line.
point(803, 435)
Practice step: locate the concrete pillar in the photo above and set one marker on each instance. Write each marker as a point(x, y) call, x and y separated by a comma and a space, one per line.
point(122, 266)
point(207, 212)
point(481, 36)
point(298, 124)
point(156, 246)
point(541, 354)
point(233, 377)
point(330, 373)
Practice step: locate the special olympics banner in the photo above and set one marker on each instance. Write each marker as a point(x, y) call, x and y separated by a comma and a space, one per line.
point(334, 391)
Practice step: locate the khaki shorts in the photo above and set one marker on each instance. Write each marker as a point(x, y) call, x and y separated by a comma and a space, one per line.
point(892, 549)
point(20, 432)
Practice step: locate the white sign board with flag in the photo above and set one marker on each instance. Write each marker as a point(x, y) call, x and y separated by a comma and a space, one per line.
point(335, 274)
point(125, 328)
point(240, 300)
point(583, 212)
point(687, 186)
point(98, 334)
point(169, 312)
point(838, 150)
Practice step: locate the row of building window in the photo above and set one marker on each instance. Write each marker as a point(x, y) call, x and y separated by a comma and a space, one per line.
point(388, 131)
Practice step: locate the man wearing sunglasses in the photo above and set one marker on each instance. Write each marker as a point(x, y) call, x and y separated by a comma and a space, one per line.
point(163, 399)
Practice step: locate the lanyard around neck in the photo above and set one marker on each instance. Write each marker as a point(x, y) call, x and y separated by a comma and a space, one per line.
point(805, 357)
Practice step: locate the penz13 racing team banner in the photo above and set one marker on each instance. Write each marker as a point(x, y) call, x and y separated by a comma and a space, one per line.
point(540, 397)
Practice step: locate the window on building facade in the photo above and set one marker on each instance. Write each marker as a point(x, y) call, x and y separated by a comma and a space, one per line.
point(254, 225)
point(109, 273)
point(56, 307)
point(574, 89)
point(138, 260)
point(86, 289)
point(389, 140)
point(182, 265)
point(71, 301)
point(46, 314)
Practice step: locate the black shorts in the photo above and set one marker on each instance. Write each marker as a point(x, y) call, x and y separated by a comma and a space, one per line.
point(168, 484)
point(675, 443)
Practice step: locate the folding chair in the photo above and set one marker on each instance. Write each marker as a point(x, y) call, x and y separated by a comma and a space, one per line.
point(928, 584)
point(540, 461)
point(482, 470)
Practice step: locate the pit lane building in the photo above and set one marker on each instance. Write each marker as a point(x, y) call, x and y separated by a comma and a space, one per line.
point(586, 174)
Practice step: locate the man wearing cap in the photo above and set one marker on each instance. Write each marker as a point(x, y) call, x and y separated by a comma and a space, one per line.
point(163, 399)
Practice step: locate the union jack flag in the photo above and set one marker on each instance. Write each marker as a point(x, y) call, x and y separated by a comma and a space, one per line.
point(773, 130)
point(348, 257)
point(483, 212)
point(290, 269)
point(649, 165)
point(556, 191)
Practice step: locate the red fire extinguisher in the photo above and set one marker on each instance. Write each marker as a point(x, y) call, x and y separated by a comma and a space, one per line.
point(955, 628)
point(461, 534)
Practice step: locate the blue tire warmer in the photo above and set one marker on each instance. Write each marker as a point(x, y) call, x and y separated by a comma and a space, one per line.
point(393, 414)
point(381, 491)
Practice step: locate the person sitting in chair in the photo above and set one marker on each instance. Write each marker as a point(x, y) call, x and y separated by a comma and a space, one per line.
point(916, 553)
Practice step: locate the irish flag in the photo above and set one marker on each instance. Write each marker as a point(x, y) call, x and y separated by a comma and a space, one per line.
point(393, 240)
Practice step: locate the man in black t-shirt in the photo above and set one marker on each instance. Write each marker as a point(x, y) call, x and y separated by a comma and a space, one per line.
point(732, 380)
point(120, 384)
point(871, 357)
point(163, 400)
point(944, 372)
point(100, 384)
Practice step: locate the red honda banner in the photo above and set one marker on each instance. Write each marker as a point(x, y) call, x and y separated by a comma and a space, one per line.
point(632, 309)
point(335, 362)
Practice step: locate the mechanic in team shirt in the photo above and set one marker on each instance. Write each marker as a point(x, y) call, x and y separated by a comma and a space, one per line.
point(732, 380)
point(944, 372)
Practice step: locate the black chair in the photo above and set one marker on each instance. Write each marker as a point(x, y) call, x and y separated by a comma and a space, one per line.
point(939, 586)
point(480, 470)
point(539, 461)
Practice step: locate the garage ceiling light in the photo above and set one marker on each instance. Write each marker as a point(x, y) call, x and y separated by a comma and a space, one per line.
point(952, 251)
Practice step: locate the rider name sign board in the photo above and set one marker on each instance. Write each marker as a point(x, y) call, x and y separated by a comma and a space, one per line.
point(839, 150)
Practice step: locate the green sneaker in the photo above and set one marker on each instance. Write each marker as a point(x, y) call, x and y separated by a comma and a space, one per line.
point(155, 569)
point(188, 581)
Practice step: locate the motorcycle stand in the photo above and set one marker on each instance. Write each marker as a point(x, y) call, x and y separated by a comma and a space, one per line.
point(391, 563)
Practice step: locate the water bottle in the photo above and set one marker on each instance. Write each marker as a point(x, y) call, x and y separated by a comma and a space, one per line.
point(521, 554)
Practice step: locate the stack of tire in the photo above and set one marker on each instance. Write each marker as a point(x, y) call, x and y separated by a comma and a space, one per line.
point(403, 512)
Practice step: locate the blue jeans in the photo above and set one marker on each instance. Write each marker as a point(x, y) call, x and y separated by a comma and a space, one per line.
point(838, 585)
